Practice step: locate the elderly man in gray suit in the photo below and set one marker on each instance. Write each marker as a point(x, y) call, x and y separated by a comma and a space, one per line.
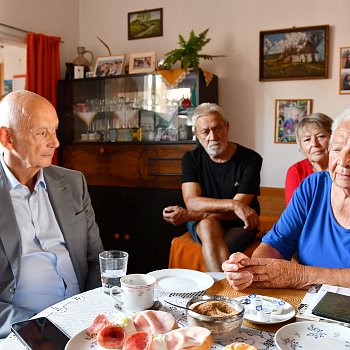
point(49, 240)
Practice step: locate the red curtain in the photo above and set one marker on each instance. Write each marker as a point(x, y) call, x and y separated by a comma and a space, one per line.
point(43, 67)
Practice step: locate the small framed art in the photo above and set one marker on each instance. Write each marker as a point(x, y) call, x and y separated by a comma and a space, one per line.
point(144, 62)
point(145, 24)
point(288, 113)
point(294, 53)
point(109, 65)
point(344, 72)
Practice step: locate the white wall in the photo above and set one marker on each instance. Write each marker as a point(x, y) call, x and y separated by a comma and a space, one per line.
point(234, 29)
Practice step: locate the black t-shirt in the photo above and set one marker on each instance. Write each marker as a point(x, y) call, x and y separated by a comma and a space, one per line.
point(240, 174)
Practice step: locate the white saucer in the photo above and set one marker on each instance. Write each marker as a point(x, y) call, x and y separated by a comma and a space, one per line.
point(156, 306)
point(288, 312)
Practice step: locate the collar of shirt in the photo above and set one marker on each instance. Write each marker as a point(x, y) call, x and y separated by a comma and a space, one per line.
point(14, 183)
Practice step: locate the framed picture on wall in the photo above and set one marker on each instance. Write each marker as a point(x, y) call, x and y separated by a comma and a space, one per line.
point(344, 72)
point(109, 65)
point(294, 53)
point(288, 113)
point(144, 62)
point(145, 24)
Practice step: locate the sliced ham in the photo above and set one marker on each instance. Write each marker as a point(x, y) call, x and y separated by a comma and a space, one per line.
point(99, 322)
point(189, 338)
point(138, 341)
point(111, 337)
point(154, 322)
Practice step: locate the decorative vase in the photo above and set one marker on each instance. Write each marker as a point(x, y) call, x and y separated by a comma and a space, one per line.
point(81, 60)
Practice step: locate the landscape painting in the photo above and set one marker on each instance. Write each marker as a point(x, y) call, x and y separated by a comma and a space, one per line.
point(297, 53)
point(145, 24)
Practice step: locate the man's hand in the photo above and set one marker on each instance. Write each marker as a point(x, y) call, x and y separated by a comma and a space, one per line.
point(242, 272)
point(246, 214)
point(176, 215)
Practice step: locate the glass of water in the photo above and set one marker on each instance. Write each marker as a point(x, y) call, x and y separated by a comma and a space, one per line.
point(113, 266)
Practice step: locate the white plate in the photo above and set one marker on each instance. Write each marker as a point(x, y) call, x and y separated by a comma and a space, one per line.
point(312, 335)
point(81, 341)
point(181, 280)
point(288, 312)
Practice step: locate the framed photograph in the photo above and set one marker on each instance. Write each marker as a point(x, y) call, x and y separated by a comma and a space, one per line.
point(344, 72)
point(109, 65)
point(145, 24)
point(295, 53)
point(288, 113)
point(144, 62)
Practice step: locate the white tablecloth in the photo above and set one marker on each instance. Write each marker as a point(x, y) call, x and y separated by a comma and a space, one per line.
point(77, 313)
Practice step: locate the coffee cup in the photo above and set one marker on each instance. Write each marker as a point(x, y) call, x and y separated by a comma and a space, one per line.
point(136, 292)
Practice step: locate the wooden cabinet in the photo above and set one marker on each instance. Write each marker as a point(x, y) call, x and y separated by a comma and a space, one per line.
point(128, 164)
point(130, 183)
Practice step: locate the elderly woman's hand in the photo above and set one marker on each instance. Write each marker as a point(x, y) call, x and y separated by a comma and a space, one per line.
point(237, 275)
point(277, 273)
point(242, 272)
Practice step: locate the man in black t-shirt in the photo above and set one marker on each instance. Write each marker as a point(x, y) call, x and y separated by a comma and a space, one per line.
point(220, 185)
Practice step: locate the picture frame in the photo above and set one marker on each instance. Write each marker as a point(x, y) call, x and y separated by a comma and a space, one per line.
point(145, 24)
point(144, 62)
point(294, 53)
point(109, 65)
point(344, 70)
point(288, 113)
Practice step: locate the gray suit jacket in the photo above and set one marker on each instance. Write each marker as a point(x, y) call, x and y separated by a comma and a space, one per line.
point(72, 206)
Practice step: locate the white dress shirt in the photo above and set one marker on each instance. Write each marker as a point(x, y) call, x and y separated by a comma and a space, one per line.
point(47, 275)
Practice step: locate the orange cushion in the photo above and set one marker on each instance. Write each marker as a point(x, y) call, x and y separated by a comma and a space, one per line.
point(185, 253)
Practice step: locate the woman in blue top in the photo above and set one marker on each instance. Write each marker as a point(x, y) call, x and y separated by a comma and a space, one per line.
point(315, 227)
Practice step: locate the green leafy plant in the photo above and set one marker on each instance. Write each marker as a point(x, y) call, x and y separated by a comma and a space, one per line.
point(188, 53)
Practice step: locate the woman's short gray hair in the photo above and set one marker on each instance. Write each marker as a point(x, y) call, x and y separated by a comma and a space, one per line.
point(322, 120)
point(207, 108)
point(343, 117)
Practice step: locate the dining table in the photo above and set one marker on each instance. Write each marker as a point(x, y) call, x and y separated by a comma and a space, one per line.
point(77, 313)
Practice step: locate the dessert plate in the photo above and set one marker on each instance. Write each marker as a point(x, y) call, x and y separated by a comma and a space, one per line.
point(181, 280)
point(287, 313)
point(312, 335)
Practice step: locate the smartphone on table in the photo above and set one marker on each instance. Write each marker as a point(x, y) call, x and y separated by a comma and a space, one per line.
point(40, 334)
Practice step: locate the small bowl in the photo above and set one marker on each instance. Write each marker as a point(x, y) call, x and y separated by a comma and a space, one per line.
point(220, 326)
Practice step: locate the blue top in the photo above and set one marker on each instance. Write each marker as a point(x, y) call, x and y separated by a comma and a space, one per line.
point(308, 227)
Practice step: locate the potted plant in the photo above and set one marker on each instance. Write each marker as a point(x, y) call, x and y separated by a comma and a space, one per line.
point(188, 53)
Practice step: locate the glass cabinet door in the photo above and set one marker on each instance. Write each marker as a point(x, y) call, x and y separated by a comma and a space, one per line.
point(140, 107)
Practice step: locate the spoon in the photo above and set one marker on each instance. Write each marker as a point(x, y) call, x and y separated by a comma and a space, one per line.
point(179, 306)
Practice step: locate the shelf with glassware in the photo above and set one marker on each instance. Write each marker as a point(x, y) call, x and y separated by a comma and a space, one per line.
point(132, 108)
